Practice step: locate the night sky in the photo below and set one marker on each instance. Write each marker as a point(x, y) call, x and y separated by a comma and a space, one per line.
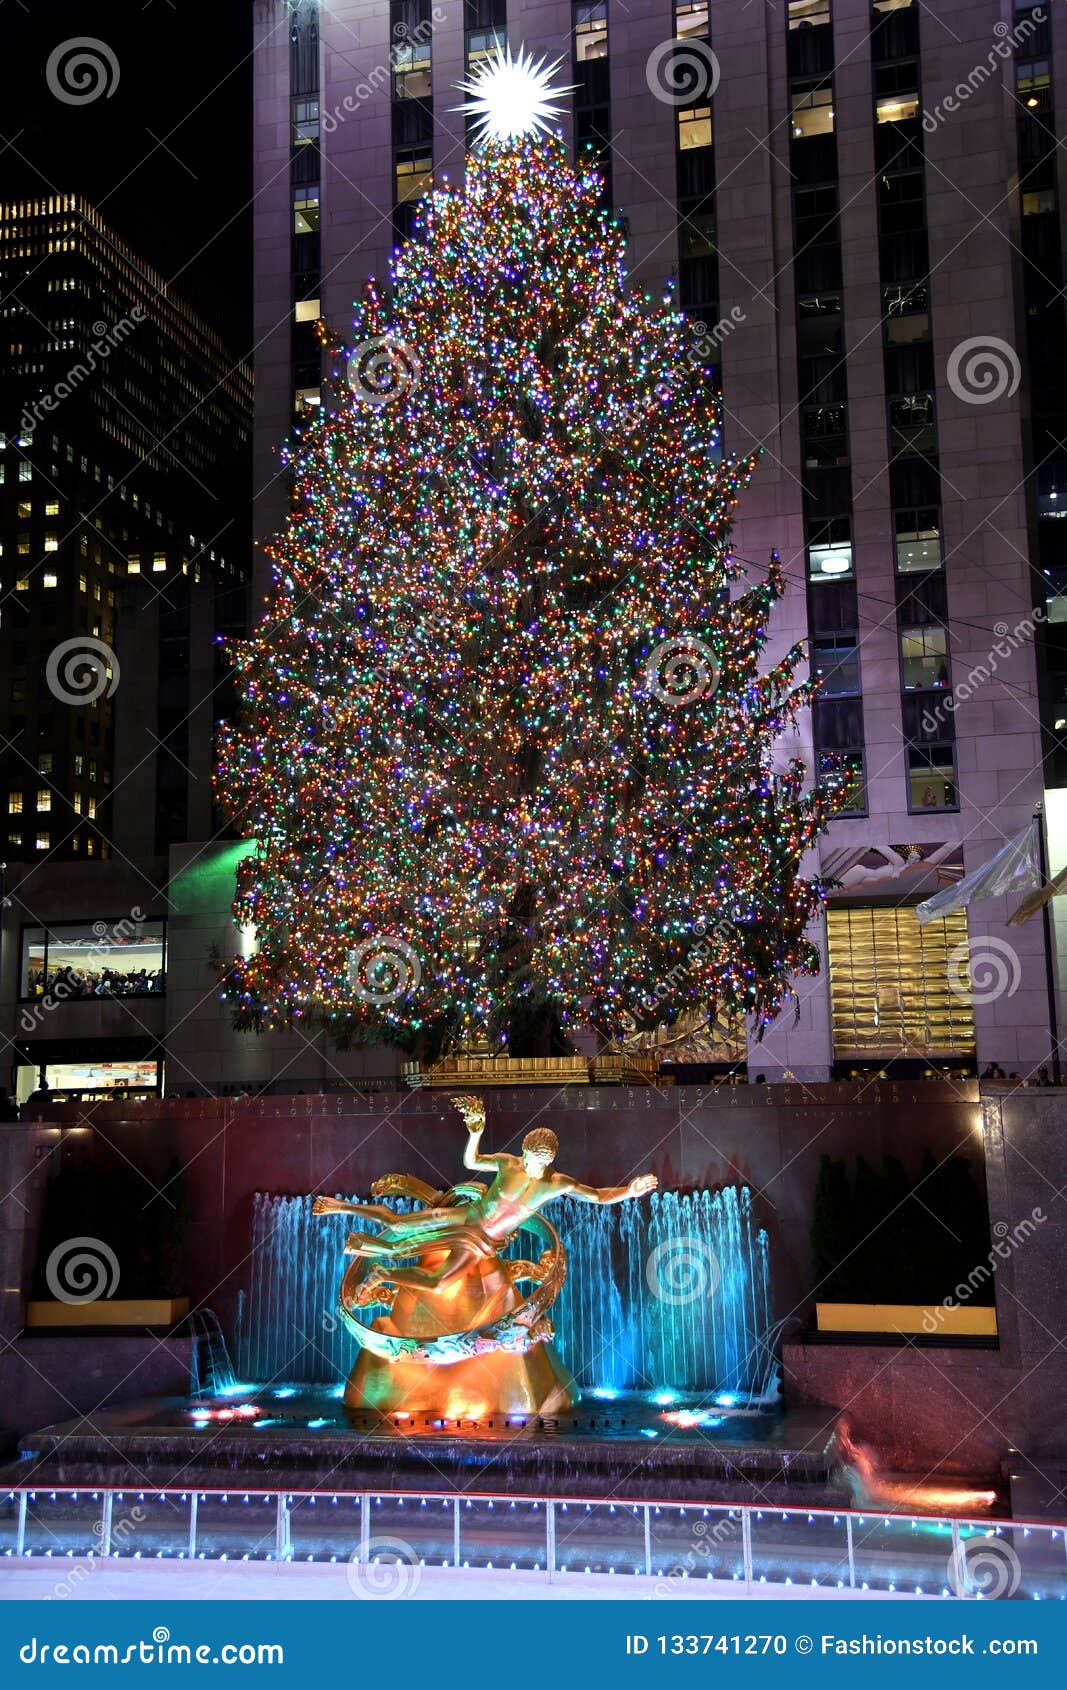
point(166, 157)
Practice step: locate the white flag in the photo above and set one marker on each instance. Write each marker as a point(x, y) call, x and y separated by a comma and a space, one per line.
point(1013, 869)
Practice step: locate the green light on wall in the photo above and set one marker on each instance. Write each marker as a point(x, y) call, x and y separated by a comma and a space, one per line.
point(209, 880)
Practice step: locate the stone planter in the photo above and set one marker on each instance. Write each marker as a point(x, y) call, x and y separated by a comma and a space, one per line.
point(933, 1321)
point(111, 1311)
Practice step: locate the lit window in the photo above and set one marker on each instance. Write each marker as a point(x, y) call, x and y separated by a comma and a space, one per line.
point(411, 70)
point(25, 471)
point(14, 804)
point(1032, 85)
point(896, 108)
point(694, 128)
point(24, 508)
point(1038, 202)
point(133, 566)
point(49, 579)
point(481, 45)
point(830, 561)
point(22, 544)
point(43, 842)
point(414, 175)
point(83, 585)
point(305, 122)
point(76, 802)
point(44, 762)
point(307, 311)
point(691, 19)
point(51, 507)
point(812, 112)
point(22, 584)
point(306, 399)
point(89, 845)
point(590, 32)
point(159, 562)
point(923, 658)
point(931, 778)
point(895, 987)
point(907, 331)
point(79, 763)
point(91, 809)
point(305, 208)
point(51, 542)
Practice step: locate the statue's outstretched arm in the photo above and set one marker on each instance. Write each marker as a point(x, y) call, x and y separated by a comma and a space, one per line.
point(609, 1193)
point(334, 1206)
point(473, 1111)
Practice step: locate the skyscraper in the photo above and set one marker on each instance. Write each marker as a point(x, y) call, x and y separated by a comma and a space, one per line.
point(124, 422)
point(124, 430)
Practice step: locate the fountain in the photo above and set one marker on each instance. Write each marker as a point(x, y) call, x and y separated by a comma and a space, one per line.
point(210, 1368)
point(671, 1296)
point(663, 1323)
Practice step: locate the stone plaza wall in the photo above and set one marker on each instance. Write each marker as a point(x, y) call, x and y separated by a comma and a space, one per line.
point(973, 1410)
point(924, 1406)
point(768, 1137)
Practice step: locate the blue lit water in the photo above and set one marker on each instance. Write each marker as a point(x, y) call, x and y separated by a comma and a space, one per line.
point(669, 1293)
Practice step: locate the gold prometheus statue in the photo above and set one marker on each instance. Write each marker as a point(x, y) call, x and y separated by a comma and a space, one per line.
point(457, 1336)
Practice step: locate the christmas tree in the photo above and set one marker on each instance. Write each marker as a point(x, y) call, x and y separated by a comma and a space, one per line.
point(506, 741)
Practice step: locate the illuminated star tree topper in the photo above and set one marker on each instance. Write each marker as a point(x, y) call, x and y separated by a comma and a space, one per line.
point(512, 96)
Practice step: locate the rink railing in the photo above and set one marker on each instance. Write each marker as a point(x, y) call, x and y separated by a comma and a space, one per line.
point(385, 1537)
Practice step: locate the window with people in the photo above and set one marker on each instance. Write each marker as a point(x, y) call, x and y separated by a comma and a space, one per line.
point(75, 960)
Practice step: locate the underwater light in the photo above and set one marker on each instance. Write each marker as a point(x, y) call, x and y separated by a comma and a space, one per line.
point(285, 1391)
point(605, 1393)
point(242, 1411)
point(689, 1417)
point(237, 1390)
point(664, 1399)
point(726, 1399)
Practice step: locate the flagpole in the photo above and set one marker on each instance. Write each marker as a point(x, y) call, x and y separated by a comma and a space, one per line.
point(1050, 972)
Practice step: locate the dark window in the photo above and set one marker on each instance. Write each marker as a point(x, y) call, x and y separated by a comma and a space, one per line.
point(836, 664)
point(844, 770)
point(918, 541)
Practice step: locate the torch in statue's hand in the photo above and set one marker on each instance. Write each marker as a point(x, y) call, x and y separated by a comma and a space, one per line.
point(473, 1111)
